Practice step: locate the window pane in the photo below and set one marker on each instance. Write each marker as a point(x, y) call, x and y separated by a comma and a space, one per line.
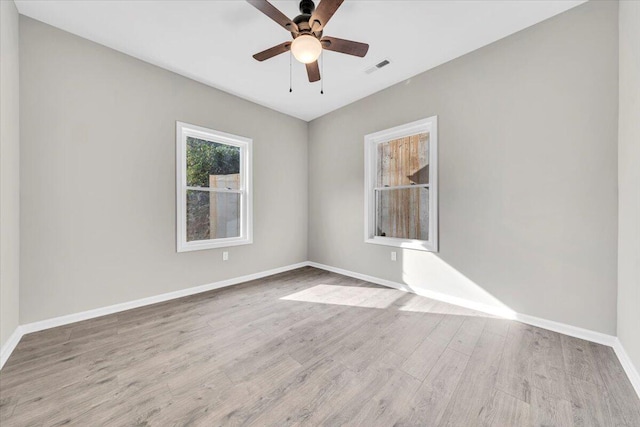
point(212, 215)
point(403, 213)
point(211, 164)
point(404, 161)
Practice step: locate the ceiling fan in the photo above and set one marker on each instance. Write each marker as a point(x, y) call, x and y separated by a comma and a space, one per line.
point(306, 30)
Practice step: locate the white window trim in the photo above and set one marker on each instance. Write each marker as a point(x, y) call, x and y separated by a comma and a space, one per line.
point(370, 171)
point(183, 130)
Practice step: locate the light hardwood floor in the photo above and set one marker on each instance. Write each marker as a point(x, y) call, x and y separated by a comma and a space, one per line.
point(308, 347)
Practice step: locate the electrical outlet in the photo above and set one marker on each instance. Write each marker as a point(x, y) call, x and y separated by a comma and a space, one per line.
point(225, 256)
point(394, 256)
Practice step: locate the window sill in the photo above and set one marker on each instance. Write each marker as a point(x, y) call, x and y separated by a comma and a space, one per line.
point(212, 244)
point(420, 245)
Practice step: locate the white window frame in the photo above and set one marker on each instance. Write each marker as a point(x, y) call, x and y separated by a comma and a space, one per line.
point(371, 142)
point(184, 130)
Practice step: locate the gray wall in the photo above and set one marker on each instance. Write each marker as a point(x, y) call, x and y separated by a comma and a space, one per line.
point(528, 173)
point(629, 175)
point(9, 170)
point(98, 177)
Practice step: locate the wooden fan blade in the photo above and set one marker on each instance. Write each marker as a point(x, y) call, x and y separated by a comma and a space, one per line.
point(323, 13)
point(345, 46)
point(272, 12)
point(273, 51)
point(313, 71)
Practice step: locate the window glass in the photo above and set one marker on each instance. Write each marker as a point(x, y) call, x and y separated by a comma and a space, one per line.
point(214, 189)
point(212, 215)
point(212, 164)
point(401, 186)
point(403, 213)
point(404, 161)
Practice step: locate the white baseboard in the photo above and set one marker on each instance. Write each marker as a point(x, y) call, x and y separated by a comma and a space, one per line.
point(10, 345)
point(8, 348)
point(627, 365)
point(562, 328)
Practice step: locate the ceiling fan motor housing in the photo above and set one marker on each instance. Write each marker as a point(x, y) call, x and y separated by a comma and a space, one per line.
point(302, 21)
point(307, 7)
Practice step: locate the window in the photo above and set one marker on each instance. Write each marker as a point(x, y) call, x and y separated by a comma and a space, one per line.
point(213, 171)
point(401, 185)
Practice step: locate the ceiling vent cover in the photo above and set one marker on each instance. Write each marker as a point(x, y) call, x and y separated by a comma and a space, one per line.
point(376, 67)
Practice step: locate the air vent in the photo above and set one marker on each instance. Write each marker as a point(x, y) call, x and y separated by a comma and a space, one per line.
point(377, 66)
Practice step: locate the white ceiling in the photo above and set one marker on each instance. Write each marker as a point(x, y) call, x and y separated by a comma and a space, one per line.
point(212, 41)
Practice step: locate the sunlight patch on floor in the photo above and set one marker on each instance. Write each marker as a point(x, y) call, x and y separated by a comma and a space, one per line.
point(354, 296)
point(418, 304)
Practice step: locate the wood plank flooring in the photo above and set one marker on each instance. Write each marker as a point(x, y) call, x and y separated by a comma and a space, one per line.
point(308, 347)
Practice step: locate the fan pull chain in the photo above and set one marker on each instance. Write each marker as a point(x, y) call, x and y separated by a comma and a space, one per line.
point(322, 71)
point(290, 77)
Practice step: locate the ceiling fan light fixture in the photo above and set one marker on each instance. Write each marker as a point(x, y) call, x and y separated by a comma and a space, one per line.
point(306, 48)
point(306, 30)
